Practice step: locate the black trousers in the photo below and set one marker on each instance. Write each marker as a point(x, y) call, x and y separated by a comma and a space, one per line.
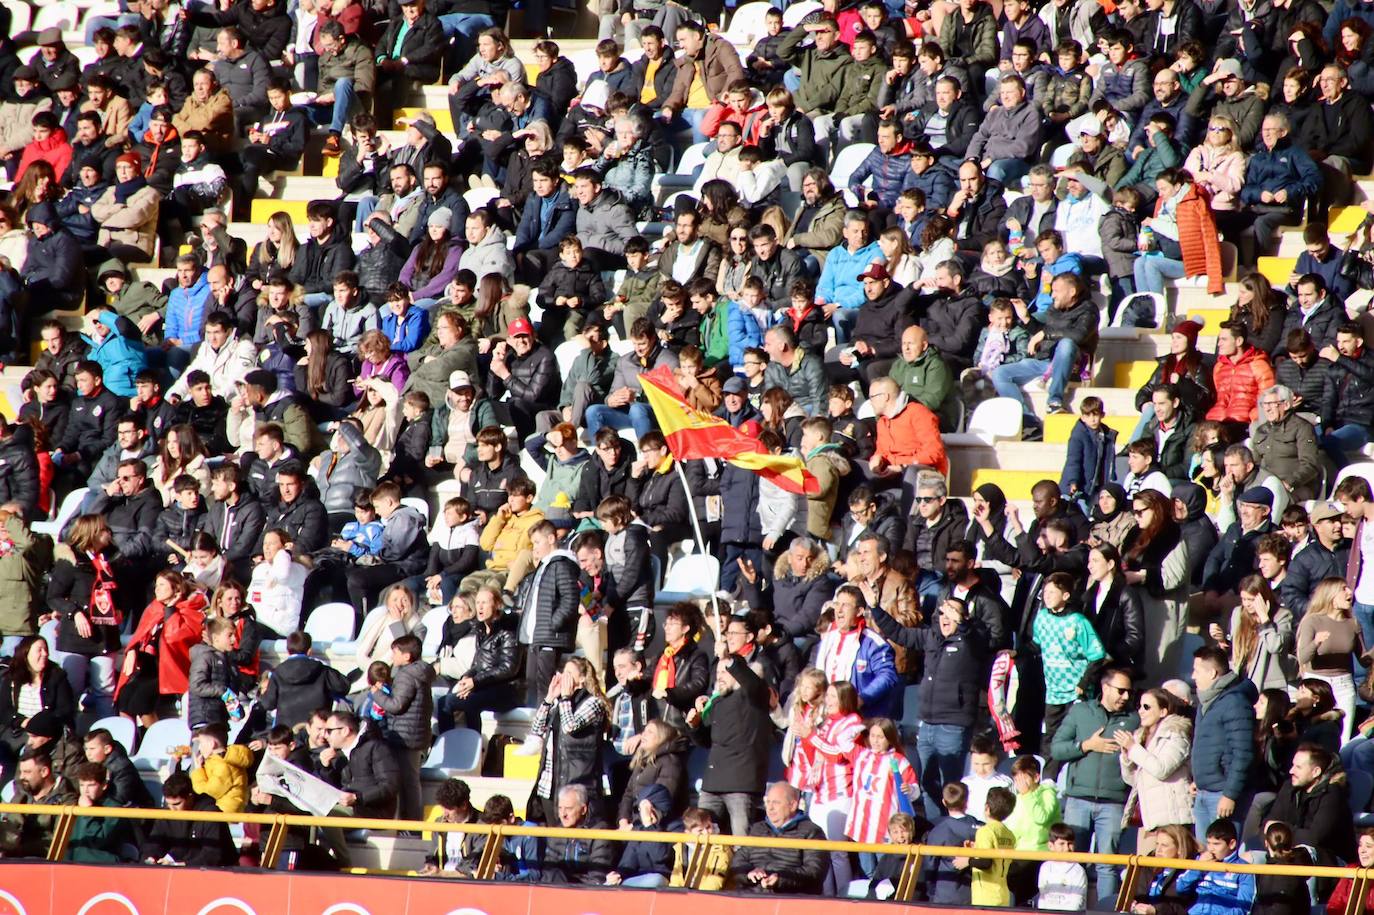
point(541, 663)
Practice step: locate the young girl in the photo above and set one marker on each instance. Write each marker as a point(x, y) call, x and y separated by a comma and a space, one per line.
point(805, 712)
point(212, 681)
point(378, 679)
point(884, 784)
point(1282, 895)
point(832, 748)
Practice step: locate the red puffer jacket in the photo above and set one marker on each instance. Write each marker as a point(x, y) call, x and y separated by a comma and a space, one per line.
point(1238, 381)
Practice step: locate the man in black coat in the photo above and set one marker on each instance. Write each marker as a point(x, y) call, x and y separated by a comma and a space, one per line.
point(802, 583)
point(549, 599)
point(526, 370)
point(297, 512)
point(410, 52)
point(1324, 556)
point(977, 209)
point(235, 519)
point(581, 861)
point(301, 684)
point(953, 317)
point(1315, 801)
point(264, 24)
point(328, 251)
point(361, 765)
point(980, 592)
point(738, 734)
point(877, 333)
point(131, 507)
point(794, 871)
point(438, 194)
point(193, 843)
point(1347, 407)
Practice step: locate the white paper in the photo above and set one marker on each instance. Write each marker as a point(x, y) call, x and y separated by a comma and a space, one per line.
point(302, 790)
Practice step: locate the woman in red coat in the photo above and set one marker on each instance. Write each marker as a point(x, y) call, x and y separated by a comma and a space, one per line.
point(157, 661)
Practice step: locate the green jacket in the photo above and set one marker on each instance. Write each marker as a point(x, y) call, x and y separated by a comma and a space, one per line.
point(978, 38)
point(1092, 776)
point(98, 840)
point(595, 370)
point(482, 414)
point(862, 82)
point(137, 300)
point(1036, 811)
point(1163, 153)
point(823, 76)
point(715, 333)
point(21, 568)
point(431, 375)
point(927, 380)
point(355, 63)
point(564, 478)
point(639, 291)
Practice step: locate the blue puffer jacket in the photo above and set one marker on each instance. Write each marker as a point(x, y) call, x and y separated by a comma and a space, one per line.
point(840, 277)
point(120, 354)
point(888, 171)
point(1286, 167)
point(1224, 737)
point(1086, 459)
point(744, 332)
point(874, 676)
point(937, 183)
point(1218, 892)
point(739, 499)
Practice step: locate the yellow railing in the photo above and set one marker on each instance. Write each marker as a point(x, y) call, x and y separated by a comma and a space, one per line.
point(1135, 865)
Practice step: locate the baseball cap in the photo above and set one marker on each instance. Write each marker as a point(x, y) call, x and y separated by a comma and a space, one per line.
point(520, 326)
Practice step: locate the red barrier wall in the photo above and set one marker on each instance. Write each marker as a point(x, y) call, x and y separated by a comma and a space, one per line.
point(65, 889)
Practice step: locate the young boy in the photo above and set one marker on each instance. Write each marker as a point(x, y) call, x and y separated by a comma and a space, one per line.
point(1002, 342)
point(804, 316)
point(176, 525)
point(766, 68)
point(637, 290)
point(852, 434)
point(571, 290)
point(97, 840)
point(1092, 454)
point(412, 440)
point(946, 884)
point(405, 325)
point(1068, 644)
point(1063, 884)
point(1069, 88)
point(149, 407)
point(675, 322)
point(218, 770)
point(1037, 807)
point(984, 755)
point(697, 825)
point(1144, 470)
point(1225, 891)
point(1120, 228)
point(990, 874)
point(827, 463)
point(213, 697)
point(718, 333)
point(575, 152)
point(453, 553)
point(887, 869)
point(752, 308)
point(378, 680)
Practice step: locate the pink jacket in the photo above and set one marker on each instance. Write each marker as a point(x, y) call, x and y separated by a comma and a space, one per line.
point(1221, 172)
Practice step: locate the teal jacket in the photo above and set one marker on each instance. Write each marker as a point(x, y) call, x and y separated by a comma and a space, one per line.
point(1092, 776)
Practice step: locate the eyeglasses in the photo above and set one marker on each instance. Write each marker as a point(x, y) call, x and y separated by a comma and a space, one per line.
point(1140, 511)
point(926, 500)
point(331, 730)
point(1123, 690)
point(1218, 130)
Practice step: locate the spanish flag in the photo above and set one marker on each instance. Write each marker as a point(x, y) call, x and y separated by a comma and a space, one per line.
point(693, 434)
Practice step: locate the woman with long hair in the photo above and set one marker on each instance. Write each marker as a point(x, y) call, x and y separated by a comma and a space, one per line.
point(1217, 164)
point(489, 681)
point(181, 452)
point(230, 601)
point(572, 722)
point(37, 185)
point(1114, 608)
point(1260, 640)
point(1173, 842)
point(495, 306)
point(374, 642)
point(275, 254)
point(720, 211)
point(1329, 639)
point(937, 246)
point(1185, 233)
point(32, 684)
point(734, 266)
point(42, 449)
point(157, 660)
point(782, 415)
point(204, 562)
point(1352, 43)
point(1316, 715)
point(1283, 894)
point(1261, 311)
point(1154, 559)
point(82, 592)
point(1155, 762)
point(902, 263)
point(323, 375)
point(1364, 857)
point(433, 263)
point(1276, 740)
point(660, 759)
point(832, 748)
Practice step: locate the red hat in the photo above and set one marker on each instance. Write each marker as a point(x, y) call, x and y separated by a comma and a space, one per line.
point(875, 271)
point(132, 158)
point(1190, 328)
point(520, 326)
point(751, 428)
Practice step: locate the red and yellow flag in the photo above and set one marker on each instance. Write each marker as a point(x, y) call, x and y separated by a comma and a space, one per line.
point(693, 434)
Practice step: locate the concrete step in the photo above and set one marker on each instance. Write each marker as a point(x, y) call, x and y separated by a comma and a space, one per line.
point(1117, 401)
point(1025, 463)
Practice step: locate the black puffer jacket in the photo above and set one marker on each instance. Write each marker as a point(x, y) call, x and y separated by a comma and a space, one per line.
point(930, 543)
point(19, 470)
point(486, 488)
point(955, 668)
point(91, 424)
point(56, 692)
point(953, 323)
point(534, 380)
point(305, 522)
point(692, 679)
point(410, 705)
point(1077, 323)
point(422, 48)
point(131, 520)
point(552, 593)
point(631, 567)
point(380, 264)
point(1194, 383)
point(69, 592)
point(882, 320)
point(299, 685)
point(318, 262)
point(497, 659)
point(739, 734)
point(799, 599)
point(659, 498)
point(800, 871)
point(266, 32)
point(1348, 391)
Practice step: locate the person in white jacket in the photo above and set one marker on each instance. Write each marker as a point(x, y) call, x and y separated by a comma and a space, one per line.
point(1155, 763)
point(277, 587)
point(222, 354)
point(757, 179)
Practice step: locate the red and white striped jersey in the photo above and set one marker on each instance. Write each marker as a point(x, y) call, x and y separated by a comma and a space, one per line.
point(875, 797)
point(833, 746)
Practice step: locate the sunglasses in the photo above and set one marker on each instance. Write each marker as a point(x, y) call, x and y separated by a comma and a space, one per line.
point(926, 500)
point(1139, 511)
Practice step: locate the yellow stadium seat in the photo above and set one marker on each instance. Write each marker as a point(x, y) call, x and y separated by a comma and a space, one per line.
point(1344, 220)
point(1015, 484)
point(263, 208)
point(1276, 269)
point(442, 118)
point(518, 766)
point(331, 167)
point(1133, 374)
point(1059, 426)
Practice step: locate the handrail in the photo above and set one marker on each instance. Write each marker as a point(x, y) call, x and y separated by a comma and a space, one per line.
point(281, 823)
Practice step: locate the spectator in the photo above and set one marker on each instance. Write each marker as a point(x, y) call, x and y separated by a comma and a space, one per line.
point(1223, 747)
point(773, 870)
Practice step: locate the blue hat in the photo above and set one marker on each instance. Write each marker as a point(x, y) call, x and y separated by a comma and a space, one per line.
point(1258, 495)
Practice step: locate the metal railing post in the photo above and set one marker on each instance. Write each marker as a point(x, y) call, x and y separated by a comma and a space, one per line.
point(272, 845)
point(1359, 888)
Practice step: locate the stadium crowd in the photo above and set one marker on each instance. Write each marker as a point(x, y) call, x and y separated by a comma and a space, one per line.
point(1170, 654)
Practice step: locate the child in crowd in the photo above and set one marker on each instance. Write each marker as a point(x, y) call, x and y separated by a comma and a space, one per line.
point(886, 871)
point(412, 441)
point(1002, 342)
point(884, 784)
point(1120, 229)
point(1063, 884)
point(1037, 807)
point(764, 65)
point(854, 435)
point(637, 290)
point(363, 535)
point(1092, 454)
point(990, 874)
point(454, 551)
point(378, 680)
point(176, 525)
point(697, 825)
point(218, 770)
point(1068, 644)
point(213, 692)
point(805, 317)
point(945, 883)
point(984, 755)
point(570, 292)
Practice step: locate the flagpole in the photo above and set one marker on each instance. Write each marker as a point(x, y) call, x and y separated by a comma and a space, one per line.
point(701, 543)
